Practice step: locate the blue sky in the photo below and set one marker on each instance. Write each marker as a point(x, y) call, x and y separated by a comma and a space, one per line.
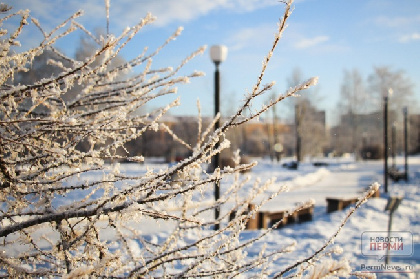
point(323, 38)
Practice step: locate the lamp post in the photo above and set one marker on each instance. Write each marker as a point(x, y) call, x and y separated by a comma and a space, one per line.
point(394, 146)
point(405, 112)
point(391, 206)
point(298, 115)
point(386, 96)
point(218, 54)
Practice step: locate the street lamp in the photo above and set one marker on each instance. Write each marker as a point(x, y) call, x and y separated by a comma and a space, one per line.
point(391, 206)
point(298, 116)
point(405, 111)
point(394, 146)
point(386, 96)
point(218, 54)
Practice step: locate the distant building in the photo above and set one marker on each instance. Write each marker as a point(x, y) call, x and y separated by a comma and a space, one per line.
point(355, 131)
point(255, 138)
point(358, 131)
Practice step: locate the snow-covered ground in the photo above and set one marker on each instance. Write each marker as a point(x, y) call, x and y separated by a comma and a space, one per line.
point(340, 178)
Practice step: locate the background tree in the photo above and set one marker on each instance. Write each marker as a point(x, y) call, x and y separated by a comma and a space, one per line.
point(65, 211)
point(88, 45)
point(380, 82)
point(352, 102)
point(309, 122)
point(40, 68)
point(361, 111)
point(384, 78)
point(352, 92)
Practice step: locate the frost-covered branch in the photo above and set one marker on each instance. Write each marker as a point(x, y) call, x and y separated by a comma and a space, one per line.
point(373, 188)
point(66, 205)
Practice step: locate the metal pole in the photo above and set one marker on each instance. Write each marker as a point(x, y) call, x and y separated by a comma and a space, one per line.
point(216, 161)
point(276, 153)
point(393, 146)
point(386, 144)
point(405, 111)
point(392, 205)
point(389, 234)
point(298, 138)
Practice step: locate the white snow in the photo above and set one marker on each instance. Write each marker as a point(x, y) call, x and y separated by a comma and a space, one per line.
point(341, 178)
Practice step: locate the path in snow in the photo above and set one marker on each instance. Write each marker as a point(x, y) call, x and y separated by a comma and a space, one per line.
point(334, 181)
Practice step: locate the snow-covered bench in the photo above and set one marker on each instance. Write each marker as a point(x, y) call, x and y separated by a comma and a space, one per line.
point(269, 218)
point(339, 203)
point(265, 219)
point(253, 222)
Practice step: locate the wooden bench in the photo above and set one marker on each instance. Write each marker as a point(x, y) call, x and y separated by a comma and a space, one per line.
point(306, 214)
point(253, 223)
point(266, 219)
point(335, 204)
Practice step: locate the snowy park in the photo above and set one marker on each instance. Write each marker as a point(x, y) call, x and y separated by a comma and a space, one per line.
point(337, 177)
point(343, 178)
point(102, 177)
